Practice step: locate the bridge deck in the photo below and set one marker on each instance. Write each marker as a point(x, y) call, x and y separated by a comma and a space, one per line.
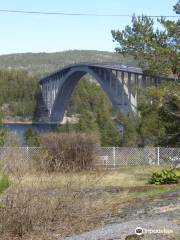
point(112, 66)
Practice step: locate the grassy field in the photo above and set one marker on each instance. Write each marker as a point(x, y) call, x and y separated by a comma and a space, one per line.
point(49, 206)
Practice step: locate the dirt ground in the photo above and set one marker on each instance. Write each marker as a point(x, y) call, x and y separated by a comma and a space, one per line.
point(153, 213)
point(89, 206)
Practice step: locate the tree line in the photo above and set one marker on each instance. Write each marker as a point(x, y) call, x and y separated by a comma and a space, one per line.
point(18, 91)
point(155, 123)
point(158, 120)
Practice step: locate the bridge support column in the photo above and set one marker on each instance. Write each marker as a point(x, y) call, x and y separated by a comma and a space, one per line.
point(136, 88)
point(122, 92)
point(110, 78)
point(50, 95)
point(129, 86)
point(105, 75)
point(46, 93)
point(116, 86)
point(143, 82)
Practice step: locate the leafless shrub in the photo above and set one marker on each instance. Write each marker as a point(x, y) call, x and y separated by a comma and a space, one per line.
point(12, 219)
point(24, 209)
point(67, 152)
point(42, 208)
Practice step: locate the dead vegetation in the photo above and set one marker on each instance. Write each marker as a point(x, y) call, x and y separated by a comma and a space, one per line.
point(68, 152)
point(55, 205)
point(47, 207)
point(49, 199)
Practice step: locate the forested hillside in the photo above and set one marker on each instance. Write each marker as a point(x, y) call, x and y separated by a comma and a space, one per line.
point(95, 113)
point(155, 50)
point(18, 91)
point(19, 74)
point(158, 124)
point(42, 63)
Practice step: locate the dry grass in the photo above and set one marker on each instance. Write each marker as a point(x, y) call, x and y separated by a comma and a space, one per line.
point(124, 177)
point(40, 206)
point(46, 206)
point(15, 162)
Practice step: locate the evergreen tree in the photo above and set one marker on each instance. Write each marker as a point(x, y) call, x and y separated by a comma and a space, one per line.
point(108, 131)
point(130, 123)
point(87, 123)
point(18, 92)
point(158, 51)
point(177, 7)
point(3, 136)
point(160, 118)
point(31, 137)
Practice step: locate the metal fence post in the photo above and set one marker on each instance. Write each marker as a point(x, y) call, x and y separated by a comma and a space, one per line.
point(158, 156)
point(27, 153)
point(114, 157)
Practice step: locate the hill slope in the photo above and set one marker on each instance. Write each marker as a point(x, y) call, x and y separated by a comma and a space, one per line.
point(40, 64)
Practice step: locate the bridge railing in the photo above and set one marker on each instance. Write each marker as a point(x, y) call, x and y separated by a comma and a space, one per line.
point(108, 157)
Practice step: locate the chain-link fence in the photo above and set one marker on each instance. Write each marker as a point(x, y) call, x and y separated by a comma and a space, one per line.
point(109, 157)
point(19, 158)
point(114, 157)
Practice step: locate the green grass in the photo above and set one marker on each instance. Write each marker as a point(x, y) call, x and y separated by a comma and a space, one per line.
point(4, 183)
point(123, 177)
point(130, 176)
point(154, 191)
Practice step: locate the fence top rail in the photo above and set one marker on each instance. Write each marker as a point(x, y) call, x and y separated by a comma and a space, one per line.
point(131, 148)
point(141, 148)
point(22, 147)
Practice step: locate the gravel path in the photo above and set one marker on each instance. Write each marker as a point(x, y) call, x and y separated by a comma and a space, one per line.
point(121, 230)
point(161, 212)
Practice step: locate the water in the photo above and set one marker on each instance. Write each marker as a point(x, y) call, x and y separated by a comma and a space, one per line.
point(20, 128)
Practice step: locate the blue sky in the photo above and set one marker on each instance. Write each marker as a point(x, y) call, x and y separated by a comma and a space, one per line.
point(42, 33)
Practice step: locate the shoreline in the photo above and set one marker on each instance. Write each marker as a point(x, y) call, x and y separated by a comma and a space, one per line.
point(26, 123)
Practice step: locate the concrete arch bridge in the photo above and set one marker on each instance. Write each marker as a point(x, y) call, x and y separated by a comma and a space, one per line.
point(120, 82)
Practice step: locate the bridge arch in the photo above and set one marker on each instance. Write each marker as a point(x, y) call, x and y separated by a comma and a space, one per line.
point(67, 86)
point(120, 82)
